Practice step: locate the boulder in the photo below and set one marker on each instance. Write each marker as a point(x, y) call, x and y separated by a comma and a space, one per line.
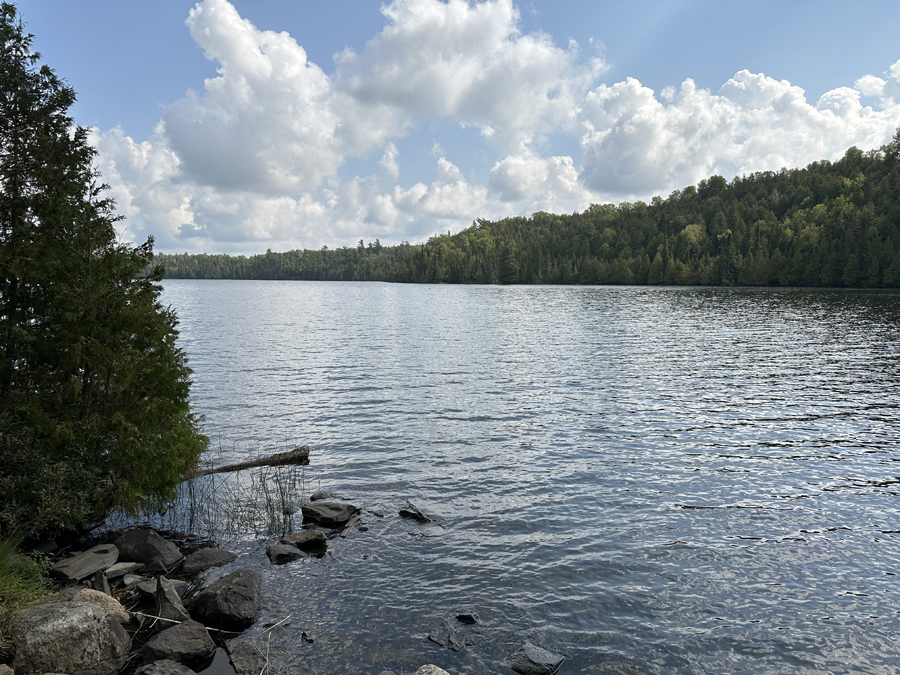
point(328, 514)
point(308, 539)
point(530, 659)
point(282, 553)
point(229, 603)
point(187, 643)
point(206, 558)
point(431, 669)
point(164, 667)
point(82, 594)
point(169, 607)
point(68, 637)
point(449, 636)
point(246, 658)
point(144, 545)
point(84, 564)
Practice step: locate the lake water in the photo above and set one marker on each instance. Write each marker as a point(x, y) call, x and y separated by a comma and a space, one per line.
point(647, 480)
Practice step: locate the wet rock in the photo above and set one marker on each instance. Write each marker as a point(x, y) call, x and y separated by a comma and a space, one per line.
point(144, 545)
point(188, 643)
point(168, 604)
point(68, 637)
point(309, 539)
point(320, 495)
point(530, 659)
point(246, 658)
point(282, 553)
point(81, 594)
point(328, 514)
point(164, 667)
point(431, 669)
point(449, 636)
point(230, 603)
point(467, 616)
point(84, 564)
point(120, 569)
point(206, 558)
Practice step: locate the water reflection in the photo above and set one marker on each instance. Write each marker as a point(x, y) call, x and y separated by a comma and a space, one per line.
point(646, 479)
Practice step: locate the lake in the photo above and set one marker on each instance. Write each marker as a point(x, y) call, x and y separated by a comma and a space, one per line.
point(647, 480)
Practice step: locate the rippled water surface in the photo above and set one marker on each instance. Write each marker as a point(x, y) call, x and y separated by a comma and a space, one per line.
point(647, 480)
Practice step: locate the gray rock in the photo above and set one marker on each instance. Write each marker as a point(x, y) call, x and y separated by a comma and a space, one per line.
point(144, 545)
point(206, 558)
point(230, 603)
point(320, 495)
point(84, 564)
point(530, 659)
point(164, 667)
point(147, 588)
point(100, 583)
point(328, 514)
point(168, 604)
point(282, 553)
point(188, 643)
point(308, 539)
point(68, 637)
point(120, 569)
point(447, 635)
point(6, 670)
point(388, 672)
point(130, 580)
point(431, 669)
point(81, 594)
point(246, 658)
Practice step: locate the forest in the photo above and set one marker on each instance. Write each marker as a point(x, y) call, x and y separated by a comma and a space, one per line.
point(831, 224)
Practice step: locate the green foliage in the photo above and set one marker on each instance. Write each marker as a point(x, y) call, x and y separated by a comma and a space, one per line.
point(94, 409)
point(22, 583)
point(830, 224)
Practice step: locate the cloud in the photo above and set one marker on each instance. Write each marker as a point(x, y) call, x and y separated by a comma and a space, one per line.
point(258, 158)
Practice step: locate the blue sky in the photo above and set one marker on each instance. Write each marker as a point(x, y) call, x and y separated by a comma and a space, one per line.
point(246, 125)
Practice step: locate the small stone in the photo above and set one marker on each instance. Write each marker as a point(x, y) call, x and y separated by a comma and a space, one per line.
point(6, 670)
point(320, 496)
point(100, 583)
point(431, 669)
point(282, 553)
point(468, 616)
point(147, 587)
point(164, 667)
point(206, 558)
point(130, 580)
point(306, 540)
point(84, 564)
point(530, 659)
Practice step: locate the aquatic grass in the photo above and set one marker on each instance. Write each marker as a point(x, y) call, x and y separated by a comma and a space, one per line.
point(22, 584)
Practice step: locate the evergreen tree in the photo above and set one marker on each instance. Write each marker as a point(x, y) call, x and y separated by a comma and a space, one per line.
point(94, 409)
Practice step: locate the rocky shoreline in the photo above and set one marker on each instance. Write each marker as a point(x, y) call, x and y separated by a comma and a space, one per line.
point(134, 604)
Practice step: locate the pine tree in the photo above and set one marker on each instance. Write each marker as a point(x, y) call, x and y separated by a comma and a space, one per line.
point(94, 409)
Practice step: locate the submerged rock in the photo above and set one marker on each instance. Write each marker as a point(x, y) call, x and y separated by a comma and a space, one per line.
point(68, 637)
point(467, 616)
point(431, 669)
point(230, 603)
point(328, 514)
point(309, 539)
point(282, 553)
point(449, 636)
point(530, 659)
point(84, 564)
point(246, 658)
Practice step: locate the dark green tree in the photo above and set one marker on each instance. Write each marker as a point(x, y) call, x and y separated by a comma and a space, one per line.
point(94, 410)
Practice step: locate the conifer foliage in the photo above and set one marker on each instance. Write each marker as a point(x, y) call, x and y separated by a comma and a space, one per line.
point(94, 409)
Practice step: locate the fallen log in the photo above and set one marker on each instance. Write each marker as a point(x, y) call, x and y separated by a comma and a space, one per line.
point(296, 456)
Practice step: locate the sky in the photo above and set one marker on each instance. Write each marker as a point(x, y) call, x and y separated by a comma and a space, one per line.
point(237, 127)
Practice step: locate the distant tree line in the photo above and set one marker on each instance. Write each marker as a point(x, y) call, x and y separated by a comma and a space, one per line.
point(830, 224)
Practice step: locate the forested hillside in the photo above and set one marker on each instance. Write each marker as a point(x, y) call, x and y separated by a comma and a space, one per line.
point(830, 224)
